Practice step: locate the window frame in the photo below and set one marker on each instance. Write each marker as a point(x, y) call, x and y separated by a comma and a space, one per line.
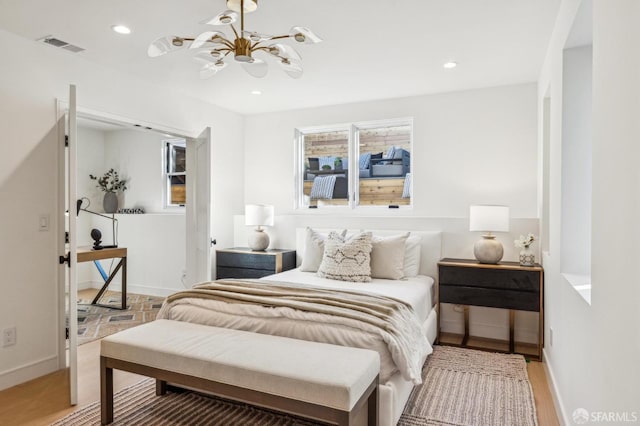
point(167, 144)
point(353, 150)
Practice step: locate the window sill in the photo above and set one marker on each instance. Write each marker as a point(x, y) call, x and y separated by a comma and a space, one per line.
point(581, 284)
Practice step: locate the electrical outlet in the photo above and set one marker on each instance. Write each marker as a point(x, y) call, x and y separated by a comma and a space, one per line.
point(550, 336)
point(9, 336)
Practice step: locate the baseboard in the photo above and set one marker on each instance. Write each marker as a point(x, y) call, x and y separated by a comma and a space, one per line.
point(489, 331)
point(27, 372)
point(88, 284)
point(141, 289)
point(555, 393)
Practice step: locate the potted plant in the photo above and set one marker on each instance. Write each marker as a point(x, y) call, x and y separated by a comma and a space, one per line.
point(337, 163)
point(527, 257)
point(110, 183)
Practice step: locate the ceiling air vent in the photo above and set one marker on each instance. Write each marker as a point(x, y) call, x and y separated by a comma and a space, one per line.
point(56, 42)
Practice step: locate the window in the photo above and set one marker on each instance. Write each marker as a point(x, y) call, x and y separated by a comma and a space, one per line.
point(359, 164)
point(175, 173)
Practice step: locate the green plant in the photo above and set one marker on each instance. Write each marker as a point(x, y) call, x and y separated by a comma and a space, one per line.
point(326, 167)
point(337, 162)
point(110, 182)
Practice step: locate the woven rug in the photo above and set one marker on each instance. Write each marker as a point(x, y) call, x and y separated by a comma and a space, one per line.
point(96, 322)
point(461, 387)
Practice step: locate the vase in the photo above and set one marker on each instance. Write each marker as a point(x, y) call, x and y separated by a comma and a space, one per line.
point(527, 257)
point(110, 202)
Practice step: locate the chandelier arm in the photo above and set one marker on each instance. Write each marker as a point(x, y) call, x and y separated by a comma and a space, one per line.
point(227, 43)
point(234, 30)
point(268, 50)
point(280, 37)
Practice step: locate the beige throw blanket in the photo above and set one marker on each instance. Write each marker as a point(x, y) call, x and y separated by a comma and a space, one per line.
point(351, 318)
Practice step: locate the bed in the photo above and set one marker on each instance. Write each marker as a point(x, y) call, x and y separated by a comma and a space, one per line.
point(418, 292)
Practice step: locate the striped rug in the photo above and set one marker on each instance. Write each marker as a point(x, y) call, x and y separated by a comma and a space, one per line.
point(461, 387)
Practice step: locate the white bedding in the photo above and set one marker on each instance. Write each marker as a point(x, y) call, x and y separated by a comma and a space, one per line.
point(317, 327)
point(417, 291)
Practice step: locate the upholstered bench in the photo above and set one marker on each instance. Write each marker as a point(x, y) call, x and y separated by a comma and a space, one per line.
point(334, 384)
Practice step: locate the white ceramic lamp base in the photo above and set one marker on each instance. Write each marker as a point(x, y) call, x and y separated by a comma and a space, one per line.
point(258, 240)
point(488, 250)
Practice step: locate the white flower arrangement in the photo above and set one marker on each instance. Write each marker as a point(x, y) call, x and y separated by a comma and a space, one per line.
point(525, 242)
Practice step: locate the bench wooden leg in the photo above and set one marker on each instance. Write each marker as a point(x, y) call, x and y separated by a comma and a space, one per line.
point(106, 392)
point(161, 387)
point(373, 408)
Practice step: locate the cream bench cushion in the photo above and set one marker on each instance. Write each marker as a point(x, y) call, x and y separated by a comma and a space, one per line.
point(318, 373)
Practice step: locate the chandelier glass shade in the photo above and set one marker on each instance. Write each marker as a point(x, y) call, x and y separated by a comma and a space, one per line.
point(214, 48)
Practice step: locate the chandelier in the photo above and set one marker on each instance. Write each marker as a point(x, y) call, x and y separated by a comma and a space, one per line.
point(214, 47)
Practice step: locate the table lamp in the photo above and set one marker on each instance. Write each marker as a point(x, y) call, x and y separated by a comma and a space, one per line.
point(258, 215)
point(488, 219)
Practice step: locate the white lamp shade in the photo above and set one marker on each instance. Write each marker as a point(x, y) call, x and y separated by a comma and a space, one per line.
point(258, 215)
point(489, 218)
point(249, 5)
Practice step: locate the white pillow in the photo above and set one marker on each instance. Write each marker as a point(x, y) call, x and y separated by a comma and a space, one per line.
point(314, 249)
point(412, 256)
point(387, 256)
point(347, 260)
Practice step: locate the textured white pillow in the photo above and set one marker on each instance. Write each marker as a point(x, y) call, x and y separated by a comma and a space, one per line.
point(387, 256)
point(412, 256)
point(314, 249)
point(347, 260)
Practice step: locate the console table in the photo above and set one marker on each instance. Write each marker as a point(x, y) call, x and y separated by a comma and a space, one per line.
point(88, 254)
point(506, 285)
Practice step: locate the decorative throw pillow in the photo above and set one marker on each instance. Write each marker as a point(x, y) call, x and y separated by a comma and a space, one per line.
point(412, 256)
point(364, 160)
point(387, 256)
point(347, 260)
point(314, 249)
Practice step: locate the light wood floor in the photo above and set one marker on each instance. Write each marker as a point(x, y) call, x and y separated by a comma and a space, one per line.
point(46, 399)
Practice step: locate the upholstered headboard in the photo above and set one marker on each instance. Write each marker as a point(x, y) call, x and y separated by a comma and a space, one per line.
point(431, 246)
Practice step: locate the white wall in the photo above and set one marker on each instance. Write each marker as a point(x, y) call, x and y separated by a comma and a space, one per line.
point(577, 147)
point(465, 144)
point(32, 77)
point(156, 240)
point(594, 356)
point(137, 155)
point(471, 147)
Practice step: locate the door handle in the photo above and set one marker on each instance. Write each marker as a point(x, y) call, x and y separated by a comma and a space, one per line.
point(213, 241)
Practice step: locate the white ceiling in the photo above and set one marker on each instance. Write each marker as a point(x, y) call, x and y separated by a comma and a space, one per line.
point(372, 49)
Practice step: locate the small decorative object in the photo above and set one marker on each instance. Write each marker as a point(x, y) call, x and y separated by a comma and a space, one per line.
point(258, 215)
point(337, 163)
point(326, 167)
point(527, 257)
point(488, 219)
point(110, 183)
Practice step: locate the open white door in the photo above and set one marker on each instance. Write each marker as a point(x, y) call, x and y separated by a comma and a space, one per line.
point(198, 209)
point(72, 132)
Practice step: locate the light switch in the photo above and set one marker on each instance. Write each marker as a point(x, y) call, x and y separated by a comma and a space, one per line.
point(44, 222)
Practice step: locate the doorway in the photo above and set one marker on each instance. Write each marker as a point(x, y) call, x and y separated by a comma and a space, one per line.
point(147, 235)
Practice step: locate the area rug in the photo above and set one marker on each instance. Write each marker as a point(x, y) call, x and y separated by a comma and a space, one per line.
point(96, 322)
point(461, 387)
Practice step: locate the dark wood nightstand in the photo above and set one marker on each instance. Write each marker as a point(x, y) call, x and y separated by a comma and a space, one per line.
point(242, 262)
point(506, 285)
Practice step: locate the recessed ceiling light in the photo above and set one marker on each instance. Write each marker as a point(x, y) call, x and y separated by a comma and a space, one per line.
point(450, 65)
point(256, 92)
point(121, 29)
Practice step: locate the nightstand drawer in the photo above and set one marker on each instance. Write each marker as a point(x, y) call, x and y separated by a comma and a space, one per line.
point(246, 260)
point(224, 272)
point(490, 297)
point(500, 279)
